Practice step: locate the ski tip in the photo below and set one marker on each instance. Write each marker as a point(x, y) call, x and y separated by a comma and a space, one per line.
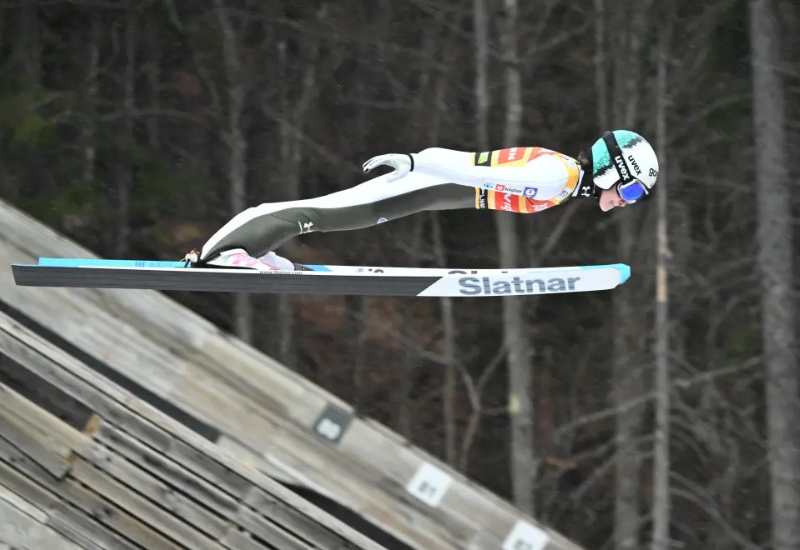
point(624, 271)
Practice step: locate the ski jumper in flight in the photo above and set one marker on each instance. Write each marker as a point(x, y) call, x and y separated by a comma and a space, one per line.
point(620, 168)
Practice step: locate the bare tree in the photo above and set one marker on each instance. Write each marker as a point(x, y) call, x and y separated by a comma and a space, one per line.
point(480, 25)
point(449, 352)
point(89, 127)
point(520, 404)
point(600, 71)
point(125, 168)
point(153, 81)
point(234, 137)
point(295, 104)
point(775, 257)
point(629, 21)
point(661, 462)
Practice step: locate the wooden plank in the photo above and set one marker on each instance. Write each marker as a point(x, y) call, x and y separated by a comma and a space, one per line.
point(114, 517)
point(152, 433)
point(140, 419)
point(270, 532)
point(200, 489)
point(54, 464)
point(148, 512)
point(17, 377)
point(324, 460)
point(167, 470)
point(15, 460)
point(90, 503)
point(208, 449)
point(84, 531)
point(39, 424)
point(235, 539)
point(278, 512)
point(260, 461)
point(47, 362)
point(22, 505)
point(19, 530)
point(160, 493)
point(198, 462)
point(320, 472)
point(87, 387)
point(25, 488)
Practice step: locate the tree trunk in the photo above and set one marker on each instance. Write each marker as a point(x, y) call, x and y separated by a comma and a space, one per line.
point(88, 130)
point(153, 81)
point(629, 19)
point(293, 117)
point(520, 406)
point(403, 414)
point(600, 76)
point(627, 386)
point(480, 22)
point(661, 460)
point(358, 309)
point(482, 97)
point(288, 188)
point(449, 352)
point(237, 146)
point(433, 120)
point(776, 270)
point(125, 168)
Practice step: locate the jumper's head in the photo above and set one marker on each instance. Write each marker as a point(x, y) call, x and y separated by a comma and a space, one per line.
point(624, 168)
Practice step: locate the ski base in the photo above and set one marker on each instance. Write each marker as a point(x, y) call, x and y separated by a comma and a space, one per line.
point(319, 279)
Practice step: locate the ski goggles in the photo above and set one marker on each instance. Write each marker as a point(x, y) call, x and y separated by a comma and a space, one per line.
point(629, 188)
point(632, 191)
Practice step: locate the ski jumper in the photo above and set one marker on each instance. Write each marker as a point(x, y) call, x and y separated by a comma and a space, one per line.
point(441, 179)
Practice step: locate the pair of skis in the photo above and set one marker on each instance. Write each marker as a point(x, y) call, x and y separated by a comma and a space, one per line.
point(319, 279)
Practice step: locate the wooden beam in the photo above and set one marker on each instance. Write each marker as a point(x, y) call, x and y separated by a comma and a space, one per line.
point(167, 469)
point(140, 482)
point(128, 499)
point(87, 533)
point(20, 470)
point(19, 530)
point(51, 461)
point(47, 429)
point(270, 532)
point(162, 434)
point(269, 507)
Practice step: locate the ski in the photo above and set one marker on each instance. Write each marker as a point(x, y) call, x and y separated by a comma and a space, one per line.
point(319, 279)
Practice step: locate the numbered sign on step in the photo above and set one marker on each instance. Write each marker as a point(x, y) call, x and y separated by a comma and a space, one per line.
point(332, 423)
point(525, 536)
point(429, 484)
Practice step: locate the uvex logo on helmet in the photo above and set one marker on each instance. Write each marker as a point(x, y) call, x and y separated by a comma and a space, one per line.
point(623, 170)
point(635, 165)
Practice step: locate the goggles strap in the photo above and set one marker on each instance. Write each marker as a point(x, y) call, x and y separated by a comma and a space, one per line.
point(617, 159)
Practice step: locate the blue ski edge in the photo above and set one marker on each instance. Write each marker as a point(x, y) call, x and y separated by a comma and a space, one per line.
point(96, 262)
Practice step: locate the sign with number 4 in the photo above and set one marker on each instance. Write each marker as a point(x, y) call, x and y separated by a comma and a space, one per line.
point(525, 536)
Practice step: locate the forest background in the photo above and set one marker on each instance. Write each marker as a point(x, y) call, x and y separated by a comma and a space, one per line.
point(663, 413)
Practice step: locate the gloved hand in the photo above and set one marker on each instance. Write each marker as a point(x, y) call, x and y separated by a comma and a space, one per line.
point(402, 164)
